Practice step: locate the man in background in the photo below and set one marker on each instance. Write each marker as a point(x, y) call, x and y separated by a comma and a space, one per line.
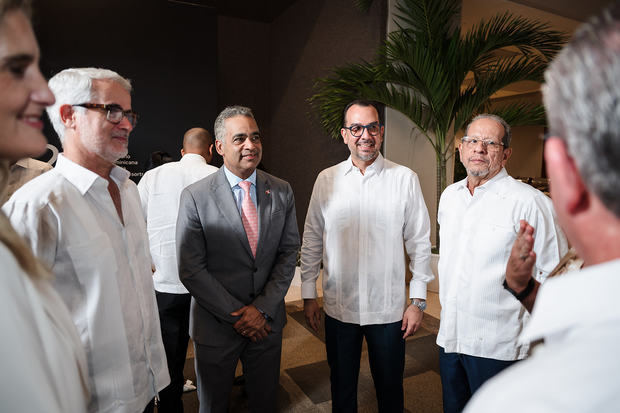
point(160, 192)
point(21, 172)
point(577, 315)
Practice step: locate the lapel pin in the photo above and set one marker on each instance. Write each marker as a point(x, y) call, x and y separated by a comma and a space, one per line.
point(268, 192)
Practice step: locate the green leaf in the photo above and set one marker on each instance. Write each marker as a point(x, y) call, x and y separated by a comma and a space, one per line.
point(438, 76)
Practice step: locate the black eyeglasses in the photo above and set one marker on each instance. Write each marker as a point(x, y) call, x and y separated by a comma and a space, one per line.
point(358, 130)
point(114, 112)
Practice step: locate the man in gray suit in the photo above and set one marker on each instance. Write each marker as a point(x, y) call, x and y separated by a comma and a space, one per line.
point(237, 243)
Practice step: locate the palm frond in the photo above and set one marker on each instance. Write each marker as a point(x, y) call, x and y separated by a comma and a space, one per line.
point(363, 5)
point(334, 92)
point(526, 37)
point(427, 21)
point(424, 70)
point(521, 114)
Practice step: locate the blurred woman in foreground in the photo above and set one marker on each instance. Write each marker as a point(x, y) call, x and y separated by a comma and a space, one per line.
point(43, 363)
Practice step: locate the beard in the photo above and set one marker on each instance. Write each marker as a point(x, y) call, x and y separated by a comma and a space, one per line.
point(478, 172)
point(106, 149)
point(369, 156)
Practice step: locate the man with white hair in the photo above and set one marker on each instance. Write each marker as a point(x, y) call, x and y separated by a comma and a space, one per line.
point(84, 220)
point(577, 315)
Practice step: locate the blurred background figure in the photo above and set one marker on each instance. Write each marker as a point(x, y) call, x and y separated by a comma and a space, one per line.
point(21, 172)
point(43, 363)
point(160, 192)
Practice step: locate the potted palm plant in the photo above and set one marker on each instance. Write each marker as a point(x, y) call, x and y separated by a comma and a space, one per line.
point(440, 77)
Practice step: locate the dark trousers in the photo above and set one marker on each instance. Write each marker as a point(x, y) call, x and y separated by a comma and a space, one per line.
point(150, 408)
point(386, 356)
point(174, 321)
point(462, 375)
point(215, 372)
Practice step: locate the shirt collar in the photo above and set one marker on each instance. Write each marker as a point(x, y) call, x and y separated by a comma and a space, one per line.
point(558, 307)
point(462, 184)
point(234, 179)
point(376, 166)
point(22, 162)
point(83, 179)
point(193, 158)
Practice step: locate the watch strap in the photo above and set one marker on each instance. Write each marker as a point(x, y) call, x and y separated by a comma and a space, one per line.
point(523, 294)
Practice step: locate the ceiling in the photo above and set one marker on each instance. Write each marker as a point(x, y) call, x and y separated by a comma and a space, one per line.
point(257, 10)
point(267, 10)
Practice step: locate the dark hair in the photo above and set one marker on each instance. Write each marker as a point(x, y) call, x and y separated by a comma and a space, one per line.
point(365, 103)
point(8, 5)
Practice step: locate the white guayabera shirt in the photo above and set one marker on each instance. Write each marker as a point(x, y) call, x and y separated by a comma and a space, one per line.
point(160, 191)
point(478, 316)
point(103, 274)
point(576, 369)
point(360, 226)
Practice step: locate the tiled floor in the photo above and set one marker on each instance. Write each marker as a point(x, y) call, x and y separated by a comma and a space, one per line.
point(304, 377)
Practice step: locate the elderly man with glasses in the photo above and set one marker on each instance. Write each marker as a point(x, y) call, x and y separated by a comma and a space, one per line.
point(480, 218)
point(361, 214)
point(84, 220)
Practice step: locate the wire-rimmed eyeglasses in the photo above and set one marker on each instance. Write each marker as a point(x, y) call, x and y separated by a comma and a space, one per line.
point(488, 144)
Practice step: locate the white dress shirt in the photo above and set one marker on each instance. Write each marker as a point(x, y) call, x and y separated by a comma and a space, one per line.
point(43, 363)
point(103, 274)
point(576, 369)
point(160, 192)
point(360, 226)
point(478, 316)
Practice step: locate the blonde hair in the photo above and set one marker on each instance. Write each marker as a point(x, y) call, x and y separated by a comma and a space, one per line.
point(15, 244)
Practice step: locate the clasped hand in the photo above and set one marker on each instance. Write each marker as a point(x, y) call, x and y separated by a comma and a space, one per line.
point(252, 323)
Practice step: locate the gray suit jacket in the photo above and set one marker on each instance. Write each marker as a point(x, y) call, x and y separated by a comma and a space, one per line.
point(215, 261)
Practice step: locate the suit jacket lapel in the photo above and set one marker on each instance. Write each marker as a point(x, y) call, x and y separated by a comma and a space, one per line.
point(263, 193)
point(225, 201)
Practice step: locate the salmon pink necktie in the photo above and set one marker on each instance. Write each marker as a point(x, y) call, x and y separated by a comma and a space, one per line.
point(249, 216)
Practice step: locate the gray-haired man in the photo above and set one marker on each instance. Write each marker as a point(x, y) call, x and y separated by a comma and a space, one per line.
point(237, 244)
point(480, 218)
point(577, 315)
point(83, 219)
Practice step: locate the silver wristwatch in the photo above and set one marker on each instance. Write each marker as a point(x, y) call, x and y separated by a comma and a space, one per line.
point(419, 303)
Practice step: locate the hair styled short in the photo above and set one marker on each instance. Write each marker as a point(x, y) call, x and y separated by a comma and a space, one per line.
point(507, 132)
point(75, 86)
point(582, 99)
point(364, 103)
point(8, 5)
point(219, 128)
